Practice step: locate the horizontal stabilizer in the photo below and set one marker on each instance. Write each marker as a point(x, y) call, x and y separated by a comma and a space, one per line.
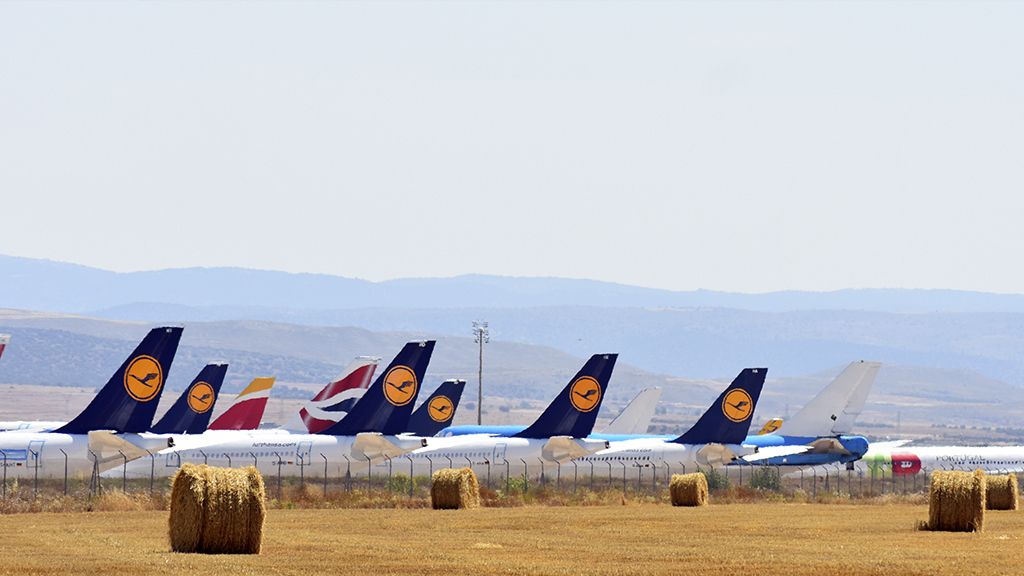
point(566, 448)
point(375, 446)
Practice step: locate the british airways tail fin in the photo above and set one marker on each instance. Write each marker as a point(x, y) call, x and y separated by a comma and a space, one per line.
point(247, 410)
point(5, 339)
point(636, 417)
point(190, 413)
point(574, 411)
point(386, 405)
point(128, 401)
point(333, 402)
point(836, 408)
point(437, 412)
point(728, 419)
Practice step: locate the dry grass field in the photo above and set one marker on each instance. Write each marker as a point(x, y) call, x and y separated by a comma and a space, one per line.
point(726, 539)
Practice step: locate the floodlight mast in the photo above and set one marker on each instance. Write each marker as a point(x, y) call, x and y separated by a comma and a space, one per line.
point(481, 335)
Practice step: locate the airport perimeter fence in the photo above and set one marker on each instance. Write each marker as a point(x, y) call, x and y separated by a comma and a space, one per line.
point(293, 479)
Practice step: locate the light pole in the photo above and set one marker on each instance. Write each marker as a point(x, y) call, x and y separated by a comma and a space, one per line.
point(481, 335)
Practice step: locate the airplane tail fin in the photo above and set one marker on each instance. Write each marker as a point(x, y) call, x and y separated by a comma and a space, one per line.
point(574, 411)
point(836, 408)
point(770, 426)
point(128, 401)
point(190, 413)
point(386, 405)
point(247, 410)
point(333, 402)
point(727, 421)
point(636, 417)
point(5, 339)
point(438, 411)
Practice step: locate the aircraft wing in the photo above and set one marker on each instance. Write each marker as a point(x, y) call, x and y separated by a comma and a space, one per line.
point(774, 452)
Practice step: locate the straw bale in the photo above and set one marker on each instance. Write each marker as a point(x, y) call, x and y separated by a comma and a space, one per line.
point(453, 488)
point(217, 510)
point(689, 489)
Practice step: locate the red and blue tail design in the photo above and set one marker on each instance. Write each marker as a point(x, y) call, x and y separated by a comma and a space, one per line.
point(128, 401)
point(336, 399)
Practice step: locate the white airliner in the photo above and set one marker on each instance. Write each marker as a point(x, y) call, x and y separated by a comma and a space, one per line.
point(123, 408)
point(888, 459)
point(368, 433)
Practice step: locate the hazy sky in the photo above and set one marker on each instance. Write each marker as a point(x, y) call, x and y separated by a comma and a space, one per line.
point(743, 147)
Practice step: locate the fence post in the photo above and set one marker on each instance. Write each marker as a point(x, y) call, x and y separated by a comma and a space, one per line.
point(278, 456)
point(322, 455)
point(412, 481)
point(35, 475)
point(389, 473)
point(255, 462)
point(369, 473)
point(302, 472)
point(96, 487)
point(4, 452)
point(623, 477)
point(205, 459)
point(65, 471)
point(124, 472)
point(348, 473)
point(591, 475)
point(488, 462)
point(610, 480)
point(558, 474)
point(526, 476)
point(430, 466)
point(507, 480)
point(575, 475)
point(152, 470)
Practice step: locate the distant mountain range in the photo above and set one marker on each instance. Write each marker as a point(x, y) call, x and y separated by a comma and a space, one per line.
point(34, 284)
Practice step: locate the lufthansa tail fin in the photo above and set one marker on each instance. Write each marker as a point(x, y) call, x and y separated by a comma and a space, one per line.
point(128, 401)
point(437, 412)
point(574, 411)
point(728, 419)
point(333, 402)
point(770, 426)
point(386, 405)
point(836, 408)
point(190, 413)
point(246, 412)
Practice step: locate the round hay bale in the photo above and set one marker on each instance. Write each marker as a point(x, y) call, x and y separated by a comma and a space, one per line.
point(217, 510)
point(453, 488)
point(689, 489)
point(956, 501)
point(1001, 492)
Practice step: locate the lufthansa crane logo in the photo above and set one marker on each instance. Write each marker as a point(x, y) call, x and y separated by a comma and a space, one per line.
point(400, 385)
point(737, 405)
point(200, 397)
point(585, 394)
point(440, 409)
point(143, 378)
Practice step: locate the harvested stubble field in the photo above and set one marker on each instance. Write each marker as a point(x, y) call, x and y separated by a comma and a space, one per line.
point(634, 539)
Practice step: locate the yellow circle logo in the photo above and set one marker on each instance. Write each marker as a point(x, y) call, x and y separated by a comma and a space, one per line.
point(737, 405)
point(585, 393)
point(440, 409)
point(143, 378)
point(200, 397)
point(400, 385)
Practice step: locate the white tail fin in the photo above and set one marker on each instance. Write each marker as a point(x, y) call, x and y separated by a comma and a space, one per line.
point(636, 417)
point(835, 409)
